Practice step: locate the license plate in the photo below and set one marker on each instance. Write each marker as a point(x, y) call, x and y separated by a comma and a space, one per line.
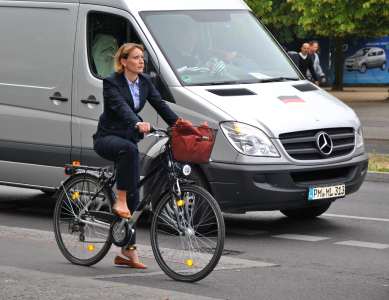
point(327, 192)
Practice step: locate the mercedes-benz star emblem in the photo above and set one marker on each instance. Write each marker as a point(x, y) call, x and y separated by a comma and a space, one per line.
point(324, 143)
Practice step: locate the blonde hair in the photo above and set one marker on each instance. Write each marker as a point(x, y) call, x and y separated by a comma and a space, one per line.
point(123, 52)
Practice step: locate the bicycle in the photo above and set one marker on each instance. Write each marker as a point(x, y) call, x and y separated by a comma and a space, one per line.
point(187, 227)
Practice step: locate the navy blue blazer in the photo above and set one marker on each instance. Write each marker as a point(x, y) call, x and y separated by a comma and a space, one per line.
point(119, 115)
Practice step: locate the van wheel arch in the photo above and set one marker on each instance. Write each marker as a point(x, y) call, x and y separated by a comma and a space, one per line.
point(197, 175)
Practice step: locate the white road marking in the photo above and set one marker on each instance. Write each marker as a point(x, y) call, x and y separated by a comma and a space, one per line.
point(126, 275)
point(244, 231)
point(356, 217)
point(300, 237)
point(363, 244)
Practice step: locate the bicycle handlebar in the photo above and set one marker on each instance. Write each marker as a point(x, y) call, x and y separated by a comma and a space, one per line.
point(152, 129)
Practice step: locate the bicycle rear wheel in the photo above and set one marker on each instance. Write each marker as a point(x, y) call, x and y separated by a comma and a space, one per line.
point(82, 244)
point(191, 249)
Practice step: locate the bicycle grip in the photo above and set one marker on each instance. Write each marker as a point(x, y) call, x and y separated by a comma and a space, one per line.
point(136, 128)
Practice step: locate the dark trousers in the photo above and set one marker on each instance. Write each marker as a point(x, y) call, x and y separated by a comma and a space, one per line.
point(125, 154)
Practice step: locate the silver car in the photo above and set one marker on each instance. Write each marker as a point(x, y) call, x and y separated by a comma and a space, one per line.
point(366, 58)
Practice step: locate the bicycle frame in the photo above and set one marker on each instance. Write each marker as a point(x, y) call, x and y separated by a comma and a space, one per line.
point(164, 167)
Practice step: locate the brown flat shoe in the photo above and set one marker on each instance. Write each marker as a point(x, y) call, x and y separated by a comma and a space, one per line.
point(122, 213)
point(126, 262)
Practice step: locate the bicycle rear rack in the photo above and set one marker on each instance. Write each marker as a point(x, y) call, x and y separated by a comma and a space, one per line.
point(73, 169)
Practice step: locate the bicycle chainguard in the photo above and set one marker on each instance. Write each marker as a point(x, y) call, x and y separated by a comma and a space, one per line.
point(105, 216)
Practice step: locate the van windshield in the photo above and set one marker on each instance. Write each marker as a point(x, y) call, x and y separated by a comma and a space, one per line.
point(218, 47)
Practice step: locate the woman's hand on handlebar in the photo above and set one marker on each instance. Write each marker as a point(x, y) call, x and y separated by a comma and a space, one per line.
point(143, 127)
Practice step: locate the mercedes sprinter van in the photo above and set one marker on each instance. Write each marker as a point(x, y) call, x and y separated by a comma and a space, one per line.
point(282, 143)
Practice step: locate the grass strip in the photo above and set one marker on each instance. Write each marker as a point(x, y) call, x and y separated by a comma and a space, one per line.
point(378, 163)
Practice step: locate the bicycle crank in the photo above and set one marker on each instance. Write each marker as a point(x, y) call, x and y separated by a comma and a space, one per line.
point(122, 237)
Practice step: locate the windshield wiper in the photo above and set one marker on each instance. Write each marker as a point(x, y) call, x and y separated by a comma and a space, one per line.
point(278, 79)
point(218, 83)
point(223, 82)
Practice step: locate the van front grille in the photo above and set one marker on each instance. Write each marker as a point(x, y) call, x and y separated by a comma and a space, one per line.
point(303, 145)
point(338, 174)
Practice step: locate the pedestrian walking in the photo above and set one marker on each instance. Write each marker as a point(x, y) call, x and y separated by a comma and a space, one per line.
point(313, 46)
point(306, 63)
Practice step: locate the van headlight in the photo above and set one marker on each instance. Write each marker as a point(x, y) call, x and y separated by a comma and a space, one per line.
point(248, 140)
point(359, 138)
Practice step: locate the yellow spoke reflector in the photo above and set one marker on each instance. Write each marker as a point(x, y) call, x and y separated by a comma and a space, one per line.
point(91, 247)
point(180, 202)
point(75, 195)
point(189, 262)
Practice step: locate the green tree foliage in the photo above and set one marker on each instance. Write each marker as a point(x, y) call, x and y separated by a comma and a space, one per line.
point(279, 18)
point(344, 18)
point(339, 19)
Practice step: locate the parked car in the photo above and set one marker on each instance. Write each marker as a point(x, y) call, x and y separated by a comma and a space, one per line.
point(366, 58)
point(282, 143)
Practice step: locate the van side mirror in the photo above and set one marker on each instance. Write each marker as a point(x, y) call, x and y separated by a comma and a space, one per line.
point(295, 57)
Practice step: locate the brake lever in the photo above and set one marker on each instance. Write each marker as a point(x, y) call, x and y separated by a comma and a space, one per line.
point(154, 134)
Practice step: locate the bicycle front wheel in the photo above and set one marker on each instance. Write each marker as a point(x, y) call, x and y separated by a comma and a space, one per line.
point(81, 239)
point(188, 245)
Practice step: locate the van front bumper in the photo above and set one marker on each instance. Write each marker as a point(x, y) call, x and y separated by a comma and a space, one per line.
point(241, 188)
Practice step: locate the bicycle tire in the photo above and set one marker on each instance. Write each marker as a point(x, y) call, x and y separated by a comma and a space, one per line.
point(197, 254)
point(81, 244)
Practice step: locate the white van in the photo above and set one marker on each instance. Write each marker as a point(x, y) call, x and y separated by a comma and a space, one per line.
point(282, 143)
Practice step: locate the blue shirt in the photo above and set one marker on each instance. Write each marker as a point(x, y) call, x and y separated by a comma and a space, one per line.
point(134, 88)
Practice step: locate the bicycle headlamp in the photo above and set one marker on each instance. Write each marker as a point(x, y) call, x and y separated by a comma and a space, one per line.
point(186, 169)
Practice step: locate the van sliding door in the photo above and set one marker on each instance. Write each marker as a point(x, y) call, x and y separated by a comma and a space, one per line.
point(37, 48)
point(101, 32)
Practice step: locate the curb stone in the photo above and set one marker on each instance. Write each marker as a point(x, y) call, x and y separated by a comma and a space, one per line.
point(377, 176)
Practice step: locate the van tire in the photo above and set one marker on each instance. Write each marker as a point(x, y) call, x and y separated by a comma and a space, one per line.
point(306, 213)
point(363, 69)
point(383, 66)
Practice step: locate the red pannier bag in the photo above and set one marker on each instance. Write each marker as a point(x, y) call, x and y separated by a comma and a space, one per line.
point(192, 143)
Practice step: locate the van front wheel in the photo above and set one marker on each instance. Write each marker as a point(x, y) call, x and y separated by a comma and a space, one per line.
point(383, 66)
point(306, 213)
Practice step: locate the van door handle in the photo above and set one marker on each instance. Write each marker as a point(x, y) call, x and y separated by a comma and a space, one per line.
point(58, 98)
point(90, 101)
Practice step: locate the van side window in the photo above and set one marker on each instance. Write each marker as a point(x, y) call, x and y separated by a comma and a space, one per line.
point(380, 52)
point(106, 33)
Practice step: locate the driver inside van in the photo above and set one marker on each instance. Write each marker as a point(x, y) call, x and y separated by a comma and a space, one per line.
point(190, 53)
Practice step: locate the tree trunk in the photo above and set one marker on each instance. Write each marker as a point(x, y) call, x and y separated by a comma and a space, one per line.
point(337, 85)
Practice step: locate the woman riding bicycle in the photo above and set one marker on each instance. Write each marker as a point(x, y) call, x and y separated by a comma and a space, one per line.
point(125, 93)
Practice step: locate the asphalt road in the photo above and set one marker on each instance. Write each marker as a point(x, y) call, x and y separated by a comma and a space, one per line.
point(340, 255)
